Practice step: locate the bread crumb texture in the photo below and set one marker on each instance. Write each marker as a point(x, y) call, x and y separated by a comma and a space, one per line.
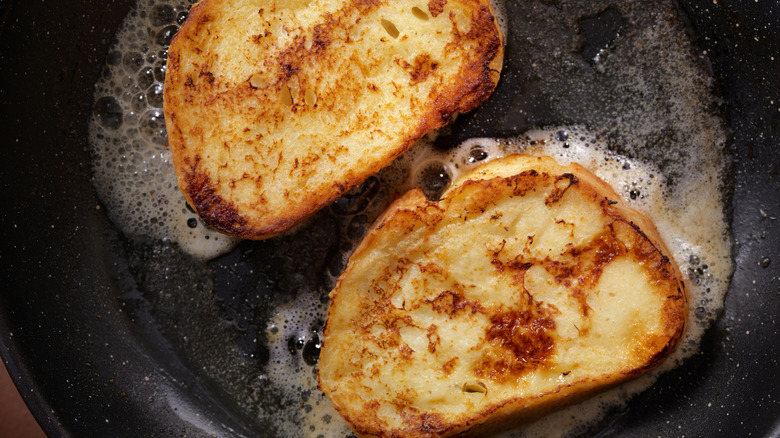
point(275, 108)
point(527, 286)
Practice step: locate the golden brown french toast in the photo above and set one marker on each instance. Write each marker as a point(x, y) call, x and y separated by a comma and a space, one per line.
point(529, 285)
point(274, 108)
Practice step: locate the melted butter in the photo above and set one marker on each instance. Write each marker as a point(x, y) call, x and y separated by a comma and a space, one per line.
point(319, 417)
point(677, 184)
point(132, 166)
point(689, 217)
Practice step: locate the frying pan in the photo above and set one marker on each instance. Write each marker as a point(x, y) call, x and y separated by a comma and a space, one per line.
point(90, 359)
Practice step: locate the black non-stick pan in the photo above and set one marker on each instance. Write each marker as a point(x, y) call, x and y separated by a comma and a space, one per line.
point(98, 349)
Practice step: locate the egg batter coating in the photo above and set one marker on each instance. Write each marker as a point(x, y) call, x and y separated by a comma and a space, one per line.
point(528, 286)
point(274, 108)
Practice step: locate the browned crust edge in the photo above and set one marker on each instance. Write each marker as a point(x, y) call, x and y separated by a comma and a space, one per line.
point(514, 411)
point(481, 77)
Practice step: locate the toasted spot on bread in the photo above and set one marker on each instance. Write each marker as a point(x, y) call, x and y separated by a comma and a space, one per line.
point(275, 108)
point(524, 288)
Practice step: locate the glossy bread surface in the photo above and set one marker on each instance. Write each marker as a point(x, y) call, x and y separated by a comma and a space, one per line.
point(275, 108)
point(527, 286)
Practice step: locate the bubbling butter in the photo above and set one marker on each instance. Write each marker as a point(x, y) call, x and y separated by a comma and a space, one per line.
point(699, 243)
point(678, 187)
point(132, 165)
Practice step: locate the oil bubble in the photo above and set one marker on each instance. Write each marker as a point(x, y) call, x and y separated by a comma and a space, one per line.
point(159, 74)
point(311, 351)
point(433, 179)
point(133, 62)
point(108, 112)
point(153, 127)
point(155, 96)
point(138, 102)
point(476, 154)
point(162, 15)
point(145, 77)
point(165, 34)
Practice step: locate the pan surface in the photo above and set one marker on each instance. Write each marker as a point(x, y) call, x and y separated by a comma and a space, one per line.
point(96, 334)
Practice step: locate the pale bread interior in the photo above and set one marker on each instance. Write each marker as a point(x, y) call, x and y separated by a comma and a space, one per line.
point(275, 108)
point(527, 285)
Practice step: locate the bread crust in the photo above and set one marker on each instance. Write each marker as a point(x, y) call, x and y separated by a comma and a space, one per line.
point(493, 309)
point(274, 108)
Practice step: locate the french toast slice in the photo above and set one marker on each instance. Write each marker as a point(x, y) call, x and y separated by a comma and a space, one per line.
point(529, 285)
point(274, 108)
